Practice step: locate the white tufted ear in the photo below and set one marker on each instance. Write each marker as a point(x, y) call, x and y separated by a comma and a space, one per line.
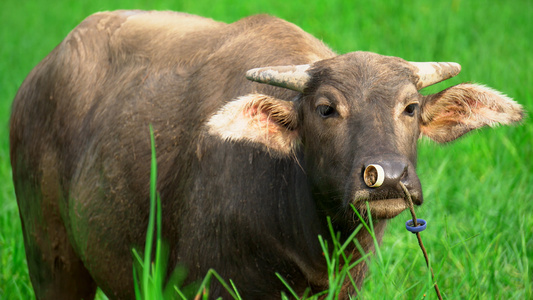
point(459, 109)
point(259, 119)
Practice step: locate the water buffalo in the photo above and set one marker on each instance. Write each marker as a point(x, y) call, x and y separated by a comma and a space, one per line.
point(261, 132)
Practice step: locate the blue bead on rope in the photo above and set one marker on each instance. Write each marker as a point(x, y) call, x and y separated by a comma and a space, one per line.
point(411, 227)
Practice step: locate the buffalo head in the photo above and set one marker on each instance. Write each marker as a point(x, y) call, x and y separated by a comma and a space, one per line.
point(361, 112)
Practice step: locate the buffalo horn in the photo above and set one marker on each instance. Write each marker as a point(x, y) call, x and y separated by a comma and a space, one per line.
point(290, 77)
point(432, 72)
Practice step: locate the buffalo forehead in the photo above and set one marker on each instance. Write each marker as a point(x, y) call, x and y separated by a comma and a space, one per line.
point(363, 71)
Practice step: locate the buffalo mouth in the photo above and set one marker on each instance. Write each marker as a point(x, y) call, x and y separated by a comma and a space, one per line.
point(384, 208)
point(385, 204)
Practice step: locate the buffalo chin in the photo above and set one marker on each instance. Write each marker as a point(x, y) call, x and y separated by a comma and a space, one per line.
point(385, 208)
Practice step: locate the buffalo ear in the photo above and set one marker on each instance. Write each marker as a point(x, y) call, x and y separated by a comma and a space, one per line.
point(447, 115)
point(258, 119)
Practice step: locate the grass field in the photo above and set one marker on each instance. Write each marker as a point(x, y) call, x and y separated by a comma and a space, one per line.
point(478, 190)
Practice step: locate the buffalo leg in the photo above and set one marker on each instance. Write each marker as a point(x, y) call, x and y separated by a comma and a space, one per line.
point(56, 271)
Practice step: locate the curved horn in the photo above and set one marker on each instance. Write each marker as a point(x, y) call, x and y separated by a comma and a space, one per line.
point(290, 77)
point(432, 72)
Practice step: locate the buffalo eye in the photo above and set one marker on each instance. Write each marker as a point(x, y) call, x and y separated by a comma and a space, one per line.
point(325, 111)
point(411, 109)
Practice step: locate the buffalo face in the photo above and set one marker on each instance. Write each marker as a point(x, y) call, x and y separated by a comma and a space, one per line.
point(359, 110)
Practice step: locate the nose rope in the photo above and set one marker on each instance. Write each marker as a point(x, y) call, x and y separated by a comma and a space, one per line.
point(415, 224)
point(409, 203)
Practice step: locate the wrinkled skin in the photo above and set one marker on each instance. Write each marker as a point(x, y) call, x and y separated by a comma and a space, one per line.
point(248, 172)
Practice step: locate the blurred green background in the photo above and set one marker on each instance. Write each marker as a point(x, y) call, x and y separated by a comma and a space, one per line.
point(478, 190)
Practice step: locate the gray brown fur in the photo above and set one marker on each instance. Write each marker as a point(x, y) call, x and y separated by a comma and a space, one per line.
point(80, 151)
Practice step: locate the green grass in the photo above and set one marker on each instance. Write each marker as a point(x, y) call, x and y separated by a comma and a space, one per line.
point(478, 190)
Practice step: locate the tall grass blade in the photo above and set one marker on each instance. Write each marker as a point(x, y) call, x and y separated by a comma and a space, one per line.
point(150, 284)
point(288, 286)
point(203, 289)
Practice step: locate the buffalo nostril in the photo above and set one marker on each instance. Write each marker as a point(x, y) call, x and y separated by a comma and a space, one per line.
point(374, 175)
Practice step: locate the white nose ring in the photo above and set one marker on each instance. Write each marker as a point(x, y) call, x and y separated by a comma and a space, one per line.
point(374, 175)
